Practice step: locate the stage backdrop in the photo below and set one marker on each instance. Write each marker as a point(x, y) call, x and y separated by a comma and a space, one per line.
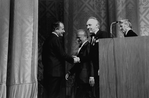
point(76, 13)
point(18, 48)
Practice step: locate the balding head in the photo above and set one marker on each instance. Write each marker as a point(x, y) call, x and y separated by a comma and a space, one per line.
point(81, 36)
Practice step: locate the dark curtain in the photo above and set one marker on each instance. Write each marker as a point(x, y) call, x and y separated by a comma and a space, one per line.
point(50, 11)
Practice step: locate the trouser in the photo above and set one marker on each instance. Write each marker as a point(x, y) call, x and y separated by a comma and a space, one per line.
point(84, 90)
point(54, 87)
point(96, 87)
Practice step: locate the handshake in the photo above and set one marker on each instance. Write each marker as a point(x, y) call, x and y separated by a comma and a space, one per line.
point(76, 59)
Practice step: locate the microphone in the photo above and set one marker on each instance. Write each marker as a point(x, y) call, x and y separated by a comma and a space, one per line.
point(115, 22)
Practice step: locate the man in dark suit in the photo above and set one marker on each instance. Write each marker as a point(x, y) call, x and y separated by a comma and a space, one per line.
point(53, 58)
point(93, 26)
point(126, 28)
point(83, 70)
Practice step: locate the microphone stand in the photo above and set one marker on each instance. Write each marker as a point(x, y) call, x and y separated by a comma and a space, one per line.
point(112, 35)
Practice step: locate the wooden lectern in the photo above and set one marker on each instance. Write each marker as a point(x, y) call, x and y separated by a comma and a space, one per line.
point(124, 67)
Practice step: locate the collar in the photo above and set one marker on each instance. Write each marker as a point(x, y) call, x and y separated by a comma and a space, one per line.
point(55, 34)
point(127, 31)
point(96, 31)
point(82, 45)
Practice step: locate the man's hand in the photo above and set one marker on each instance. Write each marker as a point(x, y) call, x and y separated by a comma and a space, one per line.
point(91, 81)
point(76, 59)
point(98, 72)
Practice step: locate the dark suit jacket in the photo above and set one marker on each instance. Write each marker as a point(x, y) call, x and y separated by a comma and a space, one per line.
point(83, 69)
point(94, 52)
point(53, 57)
point(130, 34)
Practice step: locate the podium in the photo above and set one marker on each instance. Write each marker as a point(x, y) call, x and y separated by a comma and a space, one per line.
point(124, 67)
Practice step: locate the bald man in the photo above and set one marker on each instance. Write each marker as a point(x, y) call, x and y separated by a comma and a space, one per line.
point(83, 70)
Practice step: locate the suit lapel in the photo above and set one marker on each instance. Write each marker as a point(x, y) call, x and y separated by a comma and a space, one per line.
point(80, 49)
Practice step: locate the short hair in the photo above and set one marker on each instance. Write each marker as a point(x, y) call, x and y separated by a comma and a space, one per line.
point(94, 18)
point(126, 22)
point(56, 25)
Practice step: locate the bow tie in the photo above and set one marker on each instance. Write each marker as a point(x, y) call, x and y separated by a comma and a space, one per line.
point(93, 40)
point(93, 34)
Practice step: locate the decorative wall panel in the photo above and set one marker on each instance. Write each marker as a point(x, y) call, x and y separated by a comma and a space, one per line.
point(144, 17)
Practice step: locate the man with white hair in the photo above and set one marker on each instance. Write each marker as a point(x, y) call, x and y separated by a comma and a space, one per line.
point(93, 26)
